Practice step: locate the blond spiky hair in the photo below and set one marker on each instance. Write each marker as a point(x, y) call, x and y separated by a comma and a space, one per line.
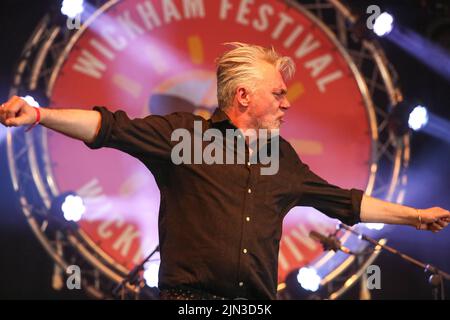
point(238, 66)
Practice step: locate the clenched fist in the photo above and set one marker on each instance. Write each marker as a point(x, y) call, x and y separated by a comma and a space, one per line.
point(17, 112)
point(433, 219)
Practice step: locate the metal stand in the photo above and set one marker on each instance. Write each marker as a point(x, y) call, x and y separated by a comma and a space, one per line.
point(132, 278)
point(437, 277)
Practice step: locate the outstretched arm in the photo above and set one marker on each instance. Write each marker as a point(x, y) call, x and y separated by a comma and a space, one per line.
point(148, 137)
point(78, 124)
point(376, 210)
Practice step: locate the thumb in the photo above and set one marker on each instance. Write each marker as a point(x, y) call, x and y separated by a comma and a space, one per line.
point(442, 213)
point(445, 217)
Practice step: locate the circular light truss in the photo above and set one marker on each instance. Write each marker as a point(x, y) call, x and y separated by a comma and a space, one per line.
point(390, 154)
point(46, 51)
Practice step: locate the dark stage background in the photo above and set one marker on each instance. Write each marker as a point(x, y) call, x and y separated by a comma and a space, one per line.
point(26, 270)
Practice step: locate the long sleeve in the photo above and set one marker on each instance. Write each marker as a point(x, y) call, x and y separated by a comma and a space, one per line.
point(147, 137)
point(313, 191)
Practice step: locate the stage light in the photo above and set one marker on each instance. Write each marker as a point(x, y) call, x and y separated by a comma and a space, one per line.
point(151, 273)
point(374, 226)
point(418, 118)
point(31, 101)
point(383, 24)
point(72, 8)
point(68, 206)
point(309, 279)
point(73, 208)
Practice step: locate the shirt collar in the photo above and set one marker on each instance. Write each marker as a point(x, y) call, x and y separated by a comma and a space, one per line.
point(219, 116)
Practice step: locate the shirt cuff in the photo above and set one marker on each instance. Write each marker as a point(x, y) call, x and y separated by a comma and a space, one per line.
point(356, 199)
point(104, 133)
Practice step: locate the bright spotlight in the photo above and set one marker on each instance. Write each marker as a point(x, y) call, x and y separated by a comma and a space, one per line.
point(418, 118)
point(309, 279)
point(73, 208)
point(383, 24)
point(151, 273)
point(31, 101)
point(72, 8)
point(68, 207)
point(374, 226)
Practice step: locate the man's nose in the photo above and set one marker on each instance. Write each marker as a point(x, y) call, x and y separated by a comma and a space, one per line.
point(285, 104)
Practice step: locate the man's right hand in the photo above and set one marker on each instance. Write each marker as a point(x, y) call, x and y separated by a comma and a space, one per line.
point(17, 112)
point(78, 124)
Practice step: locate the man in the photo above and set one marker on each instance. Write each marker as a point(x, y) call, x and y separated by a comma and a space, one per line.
point(220, 224)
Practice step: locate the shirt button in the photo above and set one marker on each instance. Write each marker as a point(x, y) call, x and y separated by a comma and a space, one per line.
point(249, 190)
point(247, 219)
point(241, 284)
point(244, 251)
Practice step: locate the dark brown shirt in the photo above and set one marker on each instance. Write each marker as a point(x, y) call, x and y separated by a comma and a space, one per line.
point(220, 225)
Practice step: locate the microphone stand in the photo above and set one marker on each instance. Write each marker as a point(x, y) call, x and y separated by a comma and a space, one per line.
point(437, 277)
point(132, 277)
point(331, 242)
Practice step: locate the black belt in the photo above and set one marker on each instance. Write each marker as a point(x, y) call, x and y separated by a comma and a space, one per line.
point(187, 294)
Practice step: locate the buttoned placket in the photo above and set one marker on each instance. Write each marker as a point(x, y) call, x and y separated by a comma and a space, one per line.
point(246, 215)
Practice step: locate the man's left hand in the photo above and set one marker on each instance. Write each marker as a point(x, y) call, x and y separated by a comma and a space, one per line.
point(433, 219)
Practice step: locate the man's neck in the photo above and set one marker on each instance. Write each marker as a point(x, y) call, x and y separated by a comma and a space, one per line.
point(240, 119)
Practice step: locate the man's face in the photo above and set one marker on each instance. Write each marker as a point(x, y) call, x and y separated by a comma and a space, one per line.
point(268, 102)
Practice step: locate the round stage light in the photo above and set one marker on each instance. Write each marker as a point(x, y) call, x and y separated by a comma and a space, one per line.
point(73, 208)
point(72, 8)
point(374, 226)
point(31, 101)
point(383, 24)
point(309, 279)
point(418, 118)
point(68, 207)
point(151, 274)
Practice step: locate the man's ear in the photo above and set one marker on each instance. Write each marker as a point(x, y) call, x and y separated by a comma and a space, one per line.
point(242, 96)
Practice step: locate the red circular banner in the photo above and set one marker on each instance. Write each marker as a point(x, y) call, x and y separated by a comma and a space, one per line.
point(137, 50)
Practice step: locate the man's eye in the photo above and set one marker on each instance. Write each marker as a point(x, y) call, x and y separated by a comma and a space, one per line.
point(278, 95)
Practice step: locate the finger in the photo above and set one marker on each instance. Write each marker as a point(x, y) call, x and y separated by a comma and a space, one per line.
point(442, 223)
point(15, 99)
point(14, 107)
point(5, 108)
point(2, 111)
point(435, 227)
point(11, 101)
point(17, 121)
